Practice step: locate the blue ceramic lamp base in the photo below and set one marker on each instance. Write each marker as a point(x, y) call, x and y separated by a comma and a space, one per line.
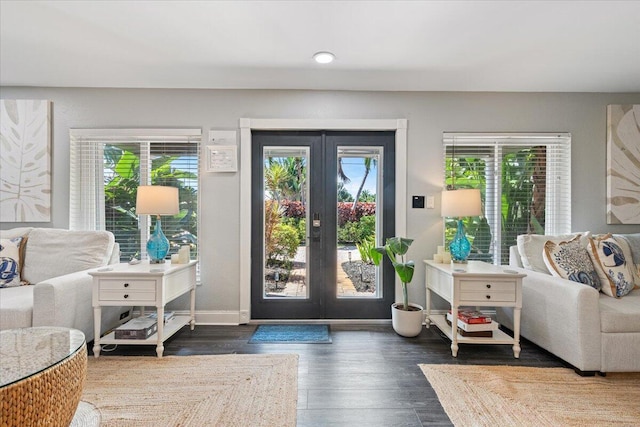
point(460, 247)
point(158, 245)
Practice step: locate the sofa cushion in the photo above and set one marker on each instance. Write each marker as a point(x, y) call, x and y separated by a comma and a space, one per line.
point(16, 307)
point(531, 248)
point(54, 252)
point(620, 314)
point(612, 266)
point(570, 260)
point(10, 262)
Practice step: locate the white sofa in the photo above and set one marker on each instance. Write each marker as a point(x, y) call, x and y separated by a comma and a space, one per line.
point(586, 328)
point(56, 262)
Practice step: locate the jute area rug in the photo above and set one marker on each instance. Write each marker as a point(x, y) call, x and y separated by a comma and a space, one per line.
point(226, 390)
point(523, 396)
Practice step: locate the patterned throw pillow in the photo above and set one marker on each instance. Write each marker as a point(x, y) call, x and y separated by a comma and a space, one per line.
point(633, 262)
point(612, 266)
point(570, 260)
point(531, 248)
point(10, 262)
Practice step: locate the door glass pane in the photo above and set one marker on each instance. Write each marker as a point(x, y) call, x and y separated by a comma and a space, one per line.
point(358, 221)
point(286, 197)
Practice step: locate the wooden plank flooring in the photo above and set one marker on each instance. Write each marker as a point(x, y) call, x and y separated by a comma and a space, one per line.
point(368, 376)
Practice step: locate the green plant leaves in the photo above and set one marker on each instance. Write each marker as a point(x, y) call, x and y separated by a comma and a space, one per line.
point(398, 245)
point(404, 270)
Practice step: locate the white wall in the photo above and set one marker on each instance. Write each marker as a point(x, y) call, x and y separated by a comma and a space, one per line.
point(428, 114)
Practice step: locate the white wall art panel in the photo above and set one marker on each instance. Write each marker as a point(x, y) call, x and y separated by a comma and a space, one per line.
point(623, 164)
point(25, 162)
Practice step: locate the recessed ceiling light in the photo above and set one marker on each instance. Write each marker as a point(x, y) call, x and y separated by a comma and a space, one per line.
point(324, 57)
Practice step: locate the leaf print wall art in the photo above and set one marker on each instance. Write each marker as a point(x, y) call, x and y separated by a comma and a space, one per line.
point(25, 161)
point(623, 164)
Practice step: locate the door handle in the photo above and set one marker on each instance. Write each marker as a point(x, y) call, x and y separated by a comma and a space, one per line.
point(315, 230)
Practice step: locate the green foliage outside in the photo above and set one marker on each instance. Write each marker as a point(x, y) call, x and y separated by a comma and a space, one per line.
point(357, 231)
point(285, 244)
point(299, 224)
point(364, 248)
point(367, 197)
point(343, 193)
point(122, 177)
point(285, 183)
point(522, 208)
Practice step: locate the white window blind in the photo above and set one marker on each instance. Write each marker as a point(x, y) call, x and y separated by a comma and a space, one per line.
point(525, 182)
point(108, 165)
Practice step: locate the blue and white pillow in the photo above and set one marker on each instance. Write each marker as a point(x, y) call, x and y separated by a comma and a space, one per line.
point(570, 260)
point(613, 267)
point(10, 262)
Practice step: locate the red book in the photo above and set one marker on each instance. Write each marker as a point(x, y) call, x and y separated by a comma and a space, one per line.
point(472, 316)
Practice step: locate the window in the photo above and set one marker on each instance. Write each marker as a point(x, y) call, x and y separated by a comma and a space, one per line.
point(107, 165)
point(525, 183)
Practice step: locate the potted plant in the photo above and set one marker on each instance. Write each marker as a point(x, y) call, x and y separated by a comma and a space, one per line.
point(406, 318)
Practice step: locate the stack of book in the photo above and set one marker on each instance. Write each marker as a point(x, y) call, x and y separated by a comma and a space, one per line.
point(473, 323)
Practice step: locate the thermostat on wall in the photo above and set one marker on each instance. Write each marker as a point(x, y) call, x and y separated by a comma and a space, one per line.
point(222, 158)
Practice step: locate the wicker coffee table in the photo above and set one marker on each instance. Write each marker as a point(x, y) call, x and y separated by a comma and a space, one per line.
point(42, 371)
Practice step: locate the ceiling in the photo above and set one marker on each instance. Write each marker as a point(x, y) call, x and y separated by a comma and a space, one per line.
point(546, 46)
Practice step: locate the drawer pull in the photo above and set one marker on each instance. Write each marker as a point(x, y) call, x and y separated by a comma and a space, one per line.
point(126, 295)
point(126, 285)
point(488, 286)
point(488, 296)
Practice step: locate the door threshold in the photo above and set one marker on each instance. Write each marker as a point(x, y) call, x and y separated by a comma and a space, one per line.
point(322, 321)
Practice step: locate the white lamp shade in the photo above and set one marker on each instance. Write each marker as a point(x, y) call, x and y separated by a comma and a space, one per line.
point(464, 202)
point(157, 200)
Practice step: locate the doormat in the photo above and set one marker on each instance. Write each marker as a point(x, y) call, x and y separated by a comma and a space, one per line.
point(294, 334)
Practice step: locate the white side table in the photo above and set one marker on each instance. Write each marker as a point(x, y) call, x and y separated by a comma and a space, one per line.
point(143, 285)
point(474, 284)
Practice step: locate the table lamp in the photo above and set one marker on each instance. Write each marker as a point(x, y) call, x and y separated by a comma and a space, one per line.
point(458, 204)
point(157, 200)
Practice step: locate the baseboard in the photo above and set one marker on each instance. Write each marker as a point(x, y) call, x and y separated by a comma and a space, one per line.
point(217, 317)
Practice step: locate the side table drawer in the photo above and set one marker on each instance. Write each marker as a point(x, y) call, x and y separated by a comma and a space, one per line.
point(124, 295)
point(127, 290)
point(486, 285)
point(128, 285)
point(489, 296)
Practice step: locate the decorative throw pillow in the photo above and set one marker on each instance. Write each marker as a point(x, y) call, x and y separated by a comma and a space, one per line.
point(10, 262)
point(633, 257)
point(570, 260)
point(531, 248)
point(612, 266)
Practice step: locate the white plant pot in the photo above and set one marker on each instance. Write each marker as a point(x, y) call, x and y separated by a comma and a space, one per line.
point(407, 323)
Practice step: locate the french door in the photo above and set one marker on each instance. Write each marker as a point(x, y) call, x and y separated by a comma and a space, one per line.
point(320, 199)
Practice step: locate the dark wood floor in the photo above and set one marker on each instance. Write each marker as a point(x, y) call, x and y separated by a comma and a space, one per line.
point(368, 376)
